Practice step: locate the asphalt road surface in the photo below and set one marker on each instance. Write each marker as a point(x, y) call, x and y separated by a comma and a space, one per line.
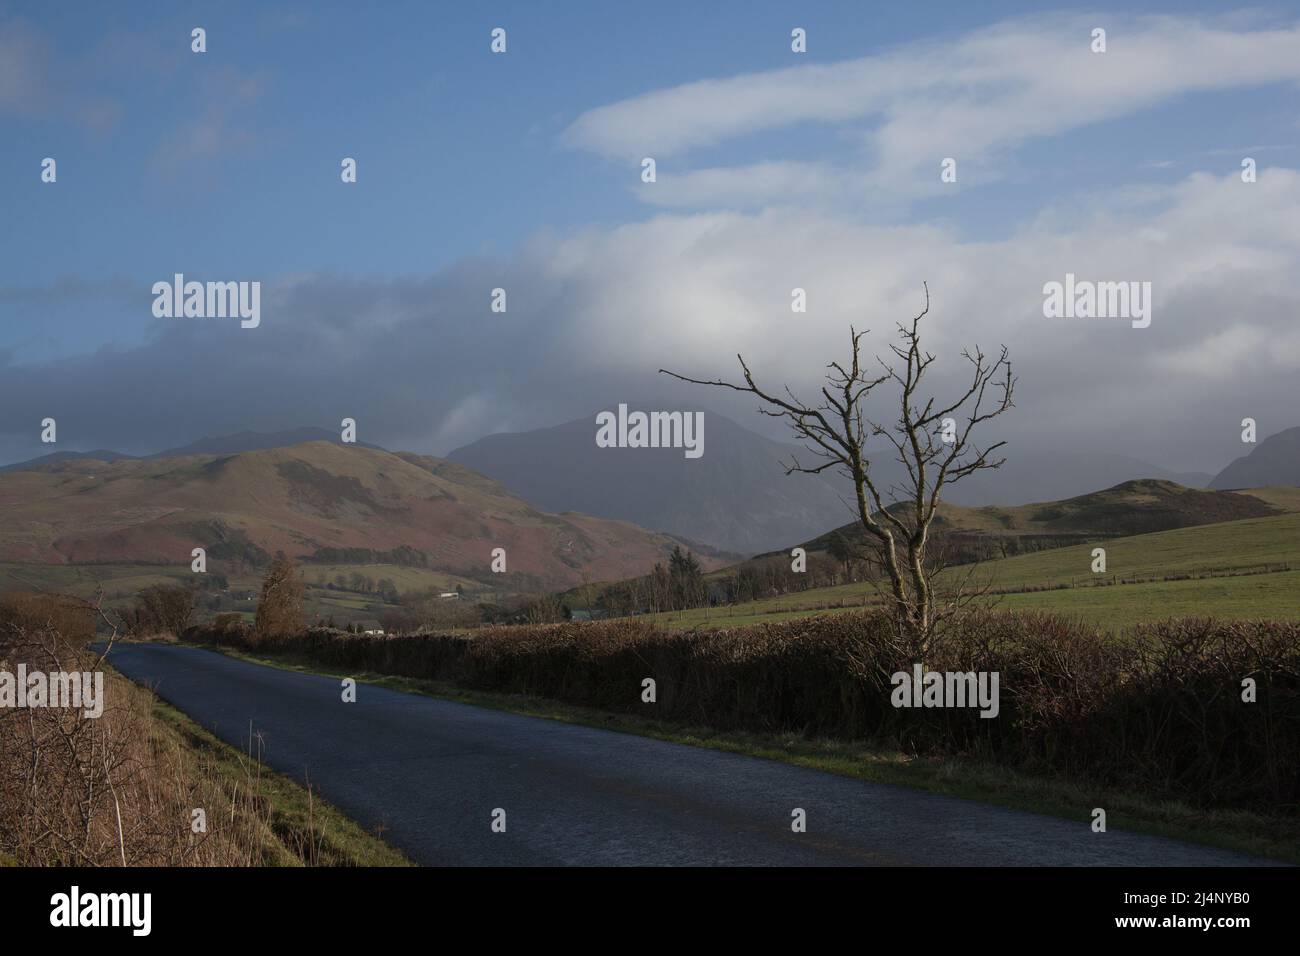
point(433, 772)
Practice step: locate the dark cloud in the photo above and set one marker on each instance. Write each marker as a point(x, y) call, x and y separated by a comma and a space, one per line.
point(424, 364)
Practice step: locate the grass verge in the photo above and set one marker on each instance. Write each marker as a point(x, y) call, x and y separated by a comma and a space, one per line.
point(1274, 837)
point(295, 826)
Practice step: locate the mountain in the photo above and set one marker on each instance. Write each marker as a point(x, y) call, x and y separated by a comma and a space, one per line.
point(315, 500)
point(736, 496)
point(1274, 461)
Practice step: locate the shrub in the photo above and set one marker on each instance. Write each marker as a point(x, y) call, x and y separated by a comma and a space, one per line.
point(29, 612)
point(162, 609)
point(1160, 709)
point(279, 612)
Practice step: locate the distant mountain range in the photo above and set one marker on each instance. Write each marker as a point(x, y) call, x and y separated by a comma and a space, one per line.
point(220, 445)
point(736, 497)
point(318, 501)
point(1274, 461)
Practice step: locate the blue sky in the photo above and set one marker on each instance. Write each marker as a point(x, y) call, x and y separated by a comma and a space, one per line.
point(226, 164)
point(460, 151)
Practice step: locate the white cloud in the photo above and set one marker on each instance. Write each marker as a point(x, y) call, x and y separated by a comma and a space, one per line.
point(594, 314)
point(972, 97)
point(1220, 355)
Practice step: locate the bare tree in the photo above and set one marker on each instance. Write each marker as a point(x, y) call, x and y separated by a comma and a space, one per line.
point(934, 452)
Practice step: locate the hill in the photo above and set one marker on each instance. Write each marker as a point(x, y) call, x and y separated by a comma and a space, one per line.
point(1274, 461)
point(218, 445)
point(1036, 474)
point(58, 457)
point(1247, 569)
point(1131, 507)
point(322, 502)
point(736, 496)
point(257, 441)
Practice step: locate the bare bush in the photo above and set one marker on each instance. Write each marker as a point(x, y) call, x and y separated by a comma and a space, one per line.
point(279, 611)
point(120, 789)
point(161, 609)
point(24, 612)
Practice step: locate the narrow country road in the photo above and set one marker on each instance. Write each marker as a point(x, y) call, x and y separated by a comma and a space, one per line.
point(433, 772)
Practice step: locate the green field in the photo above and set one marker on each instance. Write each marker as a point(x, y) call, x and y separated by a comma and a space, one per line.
point(1208, 551)
point(1256, 596)
point(346, 605)
point(406, 579)
point(1232, 545)
point(84, 580)
point(121, 583)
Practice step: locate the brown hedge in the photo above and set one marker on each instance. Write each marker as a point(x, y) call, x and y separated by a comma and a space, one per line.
point(1159, 709)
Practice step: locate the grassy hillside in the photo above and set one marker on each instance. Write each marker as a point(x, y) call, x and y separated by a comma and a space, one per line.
point(1134, 507)
point(1282, 498)
point(85, 580)
point(1250, 597)
point(1231, 545)
point(315, 500)
point(1241, 597)
point(1209, 552)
